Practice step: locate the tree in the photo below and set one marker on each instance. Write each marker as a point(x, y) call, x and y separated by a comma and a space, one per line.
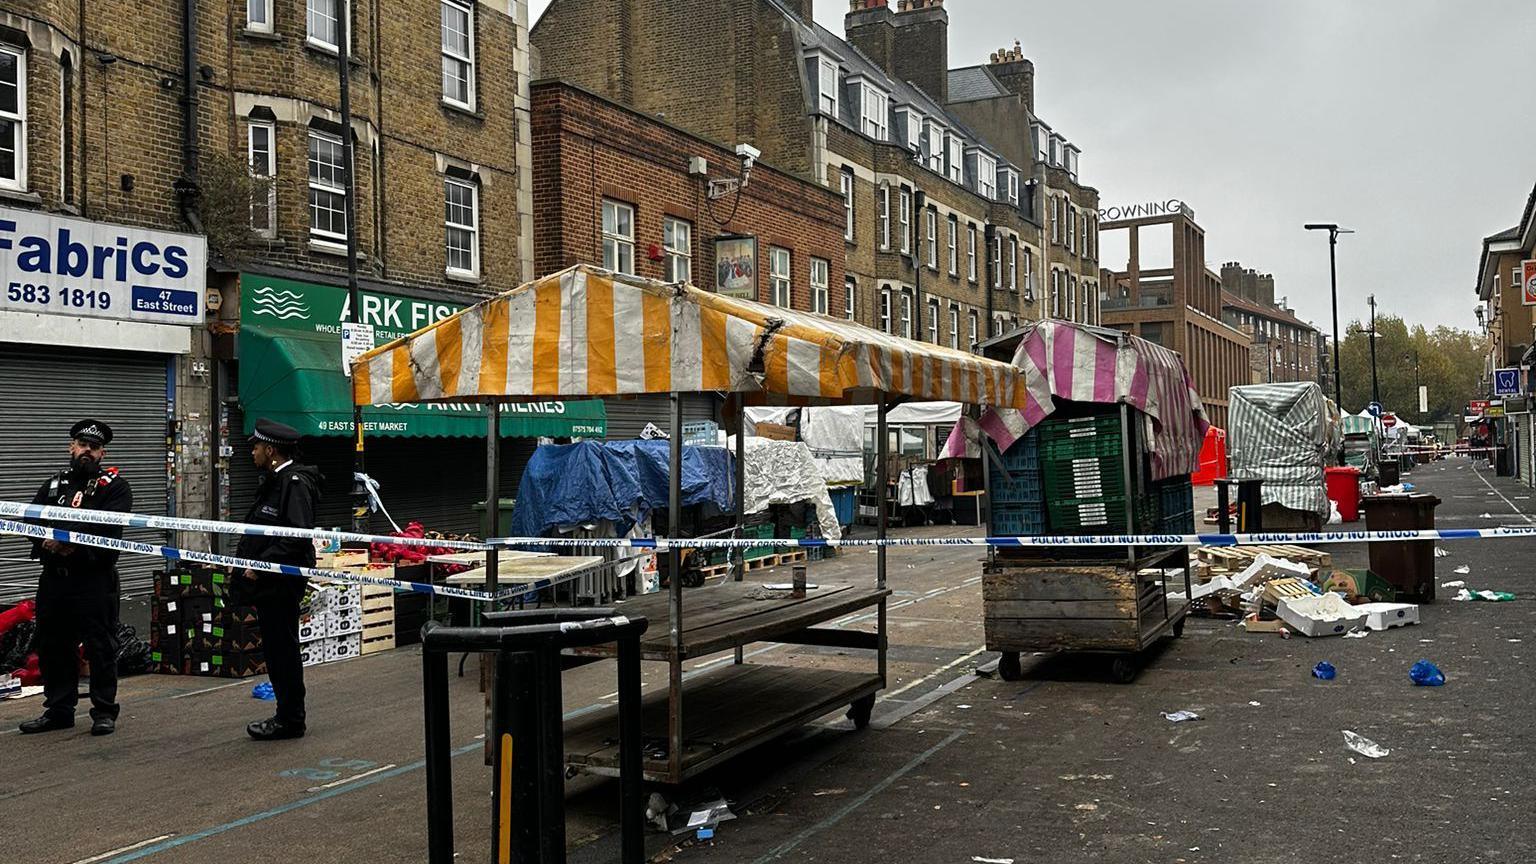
point(1446, 360)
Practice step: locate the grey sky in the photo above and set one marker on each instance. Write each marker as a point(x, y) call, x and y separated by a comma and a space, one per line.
point(1406, 120)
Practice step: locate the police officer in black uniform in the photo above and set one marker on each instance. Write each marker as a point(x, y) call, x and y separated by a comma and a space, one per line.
point(77, 594)
point(287, 496)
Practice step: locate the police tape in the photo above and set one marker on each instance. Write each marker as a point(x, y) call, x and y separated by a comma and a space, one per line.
point(663, 544)
point(17, 510)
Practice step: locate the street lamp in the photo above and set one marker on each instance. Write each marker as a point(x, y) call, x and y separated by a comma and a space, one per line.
point(1375, 385)
point(1333, 278)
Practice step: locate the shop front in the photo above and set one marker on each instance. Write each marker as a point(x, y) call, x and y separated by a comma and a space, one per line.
point(95, 320)
point(428, 459)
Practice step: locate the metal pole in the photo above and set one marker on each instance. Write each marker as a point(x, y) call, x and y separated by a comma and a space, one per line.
point(492, 493)
point(434, 687)
point(354, 300)
point(882, 477)
point(675, 593)
point(1333, 280)
point(739, 553)
point(1375, 384)
point(631, 762)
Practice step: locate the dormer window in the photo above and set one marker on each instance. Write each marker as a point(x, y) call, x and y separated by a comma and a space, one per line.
point(982, 168)
point(954, 158)
point(874, 111)
point(826, 86)
point(1008, 179)
point(933, 146)
point(1042, 143)
point(909, 129)
point(1057, 145)
point(1070, 161)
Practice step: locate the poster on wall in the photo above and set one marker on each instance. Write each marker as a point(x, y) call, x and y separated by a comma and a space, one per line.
point(736, 266)
point(1528, 282)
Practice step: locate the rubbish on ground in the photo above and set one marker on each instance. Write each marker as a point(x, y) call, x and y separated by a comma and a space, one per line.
point(28, 691)
point(1364, 746)
point(820, 792)
point(10, 685)
point(1357, 634)
point(1254, 624)
point(1181, 716)
point(1385, 616)
point(1486, 516)
point(1454, 583)
point(1355, 584)
point(1489, 596)
point(977, 859)
point(1254, 704)
point(706, 833)
point(1324, 670)
point(657, 809)
point(704, 816)
point(1088, 807)
point(1320, 615)
point(1426, 674)
point(1462, 570)
point(263, 691)
point(1441, 553)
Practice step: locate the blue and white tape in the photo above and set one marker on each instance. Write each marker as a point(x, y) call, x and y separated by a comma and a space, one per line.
point(17, 510)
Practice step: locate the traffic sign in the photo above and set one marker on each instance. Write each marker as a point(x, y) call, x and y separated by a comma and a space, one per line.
point(1506, 382)
point(1374, 408)
point(1389, 421)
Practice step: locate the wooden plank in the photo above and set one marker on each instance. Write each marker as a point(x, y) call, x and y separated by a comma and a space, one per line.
point(767, 627)
point(1037, 609)
point(379, 616)
point(526, 569)
point(1058, 583)
point(1075, 634)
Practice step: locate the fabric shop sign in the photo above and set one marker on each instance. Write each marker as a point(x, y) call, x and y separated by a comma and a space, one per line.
point(736, 267)
point(59, 265)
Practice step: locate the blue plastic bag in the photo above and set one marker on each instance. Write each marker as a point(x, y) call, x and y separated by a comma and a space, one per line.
point(263, 691)
point(1324, 670)
point(1426, 674)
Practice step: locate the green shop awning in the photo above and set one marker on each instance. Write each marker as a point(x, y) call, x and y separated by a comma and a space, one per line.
point(290, 371)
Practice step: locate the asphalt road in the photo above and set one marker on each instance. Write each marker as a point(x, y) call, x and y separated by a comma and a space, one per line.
point(1063, 766)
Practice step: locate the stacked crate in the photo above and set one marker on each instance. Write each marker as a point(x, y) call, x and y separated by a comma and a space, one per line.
point(378, 619)
point(332, 628)
point(1175, 505)
point(1082, 460)
point(196, 630)
point(1018, 499)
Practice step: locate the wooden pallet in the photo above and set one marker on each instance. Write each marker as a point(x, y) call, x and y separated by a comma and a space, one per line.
point(1226, 560)
point(378, 619)
point(796, 557)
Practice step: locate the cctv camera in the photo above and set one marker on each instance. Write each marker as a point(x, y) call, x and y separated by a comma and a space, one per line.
point(747, 152)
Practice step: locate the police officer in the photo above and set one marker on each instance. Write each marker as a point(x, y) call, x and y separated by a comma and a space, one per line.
point(77, 594)
point(287, 495)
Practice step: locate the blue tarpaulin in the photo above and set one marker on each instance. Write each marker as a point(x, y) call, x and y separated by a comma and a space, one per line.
point(620, 481)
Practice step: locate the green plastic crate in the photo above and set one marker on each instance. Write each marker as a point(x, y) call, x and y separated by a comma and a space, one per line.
point(1097, 514)
point(1081, 448)
point(1077, 428)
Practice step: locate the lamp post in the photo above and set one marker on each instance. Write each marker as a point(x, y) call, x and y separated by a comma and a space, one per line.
point(1418, 387)
point(1333, 279)
point(1375, 384)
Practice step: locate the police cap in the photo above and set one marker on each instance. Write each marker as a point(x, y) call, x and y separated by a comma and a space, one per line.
point(94, 431)
point(274, 432)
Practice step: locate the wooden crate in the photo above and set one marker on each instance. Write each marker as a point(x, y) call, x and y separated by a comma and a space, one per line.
point(1067, 608)
point(378, 619)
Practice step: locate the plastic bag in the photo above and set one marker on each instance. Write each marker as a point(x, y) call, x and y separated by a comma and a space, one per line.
point(1426, 674)
point(1363, 745)
point(1324, 670)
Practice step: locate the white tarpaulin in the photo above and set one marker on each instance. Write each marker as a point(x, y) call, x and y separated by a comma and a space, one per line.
point(835, 436)
point(783, 472)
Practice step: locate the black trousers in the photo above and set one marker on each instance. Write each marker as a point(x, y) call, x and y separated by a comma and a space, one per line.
point(278, 613)
point(63, 623)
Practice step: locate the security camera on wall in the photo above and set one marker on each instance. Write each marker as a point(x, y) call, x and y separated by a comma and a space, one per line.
point(748, 155)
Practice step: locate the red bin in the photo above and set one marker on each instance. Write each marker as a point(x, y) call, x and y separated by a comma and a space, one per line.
point(1343, 484)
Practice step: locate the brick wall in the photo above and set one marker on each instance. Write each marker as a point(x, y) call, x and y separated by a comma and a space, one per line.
point(587, 149)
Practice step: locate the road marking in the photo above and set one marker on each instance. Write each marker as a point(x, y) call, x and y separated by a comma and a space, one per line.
point(947, 666)
point(786, 848)
point(1491, 489)
point(345, 780)
point(121, 850)
point(208, 690)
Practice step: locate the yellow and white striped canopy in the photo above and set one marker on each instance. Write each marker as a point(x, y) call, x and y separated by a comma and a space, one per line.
point(585, 333)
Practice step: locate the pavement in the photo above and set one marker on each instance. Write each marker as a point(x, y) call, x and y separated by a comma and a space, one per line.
point(957, 766)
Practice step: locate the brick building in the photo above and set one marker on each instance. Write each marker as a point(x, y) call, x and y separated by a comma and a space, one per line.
point(626, 191)
point(1509, 323)
point(1284, 348)
point(156, 115)
point(941, 234)
point(1167, 295)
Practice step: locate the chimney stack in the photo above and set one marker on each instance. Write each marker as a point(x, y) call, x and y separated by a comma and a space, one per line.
point(1016, 73)
point(870, 27)
point(910, 44)
point(803, 9)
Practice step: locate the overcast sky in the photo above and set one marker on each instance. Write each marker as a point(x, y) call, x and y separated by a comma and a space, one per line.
point(1407, 120)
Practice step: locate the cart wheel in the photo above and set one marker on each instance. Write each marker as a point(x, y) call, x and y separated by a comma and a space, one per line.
point(1008, 666)
point(1178, 629)
point(1123, 669)
point(860, 711)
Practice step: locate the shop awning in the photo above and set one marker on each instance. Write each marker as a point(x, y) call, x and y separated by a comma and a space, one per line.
point(585, 332)
point(295, 377)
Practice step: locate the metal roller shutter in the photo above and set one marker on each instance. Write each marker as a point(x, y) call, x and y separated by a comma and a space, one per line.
point(43, 391)
point(627, 417)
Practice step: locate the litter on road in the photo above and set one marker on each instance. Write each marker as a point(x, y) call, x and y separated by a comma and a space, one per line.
point(1181, 716)
point(1324, 670)
point(1426, 674)
point(1364, 746)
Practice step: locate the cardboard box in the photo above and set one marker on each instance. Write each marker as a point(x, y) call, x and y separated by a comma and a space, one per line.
point(313, 627)
point(344, 647)
point(312, 653)
point(228, 664)
point(1385, 616)
point(167, 657)
point(343, 623)
point(1320, 615)
point(776, 431)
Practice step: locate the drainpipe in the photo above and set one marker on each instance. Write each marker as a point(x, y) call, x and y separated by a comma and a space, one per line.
point(187, 187)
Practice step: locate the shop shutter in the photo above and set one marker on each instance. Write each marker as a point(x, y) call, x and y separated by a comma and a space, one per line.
point(627, 417)
point(43, 391)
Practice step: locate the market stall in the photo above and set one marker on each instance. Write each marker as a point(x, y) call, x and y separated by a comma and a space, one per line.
point(1285, 435)
point(1112, 432)
point(590, 333)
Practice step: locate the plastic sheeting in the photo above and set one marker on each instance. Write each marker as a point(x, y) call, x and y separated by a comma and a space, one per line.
point(1281, 434)
point(835, 437)
point(784, 472)
point(618, 481)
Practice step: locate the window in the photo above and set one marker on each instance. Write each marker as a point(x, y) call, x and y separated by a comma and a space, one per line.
point(912, 130)
point(327, 188)
point(261, 155)
point(906, 315)
point(975, 333)
point(618, 237)
point(13, 118)
point(954, 327)
point(1013, 188)
point(934, 146)
point(1055, 297)
point(931, 227)
point(1071, 218)
point(1042, 144)
point(875, 116)
point(1071, 298)
point(461, 225)
point(677, 241)
point(1056, 142)
point(970, 252)
point(986, 176)
point(1013, 264)
point(933, 321)
point(847, 182)
point(885, 309)
point(1029, 274)
point(827, 86)
point(458, 54)
point(997, 261)
point(323, 21)
point(819, 279)
point(954, 245)
point(778, 275)
point(850, 291)
point(258, 15)
point(885, 217)
point(905, 218)
point(956, 159)
point(1055, 219)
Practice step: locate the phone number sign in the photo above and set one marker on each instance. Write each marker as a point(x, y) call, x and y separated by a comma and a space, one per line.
point(58, 265)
